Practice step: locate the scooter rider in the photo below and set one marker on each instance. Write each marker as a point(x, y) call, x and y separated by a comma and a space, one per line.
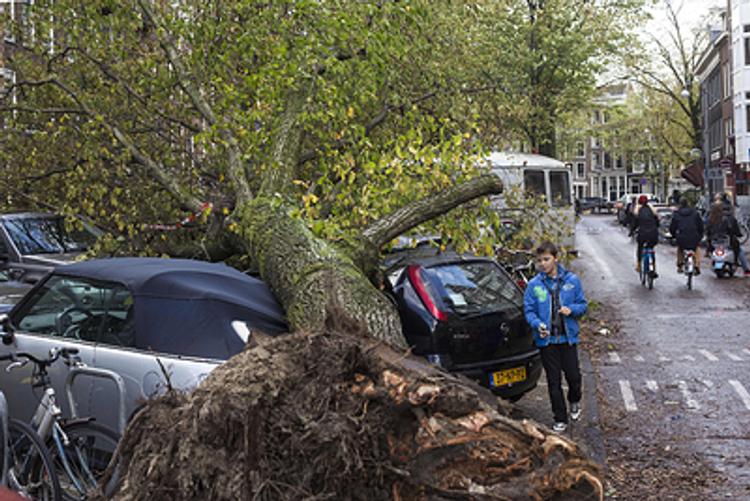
point(723, 224)
point(687, 227)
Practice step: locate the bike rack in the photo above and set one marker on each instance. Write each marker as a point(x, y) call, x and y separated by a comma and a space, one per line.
point(5, 438)
point(101, 373)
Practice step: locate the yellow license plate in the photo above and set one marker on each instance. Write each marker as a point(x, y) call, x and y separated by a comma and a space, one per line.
point(515, 375)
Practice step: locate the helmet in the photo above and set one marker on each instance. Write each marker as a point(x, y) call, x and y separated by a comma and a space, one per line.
point(642, 200)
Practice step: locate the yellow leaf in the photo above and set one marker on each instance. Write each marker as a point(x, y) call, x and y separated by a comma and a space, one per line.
point(350, 112)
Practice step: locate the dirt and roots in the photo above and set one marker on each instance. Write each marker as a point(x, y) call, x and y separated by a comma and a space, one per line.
point(336, 415)
point(641, 465)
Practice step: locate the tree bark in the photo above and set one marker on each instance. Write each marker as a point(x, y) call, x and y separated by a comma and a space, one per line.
point(307, 273)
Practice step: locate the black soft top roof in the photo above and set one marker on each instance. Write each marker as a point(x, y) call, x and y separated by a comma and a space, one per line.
point(187, 307)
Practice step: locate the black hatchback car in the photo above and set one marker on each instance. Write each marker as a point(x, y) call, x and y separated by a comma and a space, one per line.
point(465, 313)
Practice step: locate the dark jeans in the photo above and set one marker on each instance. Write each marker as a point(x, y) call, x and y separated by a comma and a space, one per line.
point(558, 358)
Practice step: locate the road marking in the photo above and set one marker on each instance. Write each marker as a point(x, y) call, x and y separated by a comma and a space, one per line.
point(639, 358)
point(662, 358)
point(708, 355)
point(603, 266)
point(708, 383)
point(652, 385)
point(733, 356)
point(627, 396)
point(614, 357)
point(688, 357)
point(742, 392)
point(689, 400)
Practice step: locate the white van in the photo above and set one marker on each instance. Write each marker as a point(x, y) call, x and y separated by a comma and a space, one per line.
point(541, 176)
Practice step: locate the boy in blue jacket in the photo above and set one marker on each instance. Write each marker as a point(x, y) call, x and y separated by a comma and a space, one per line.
point(553, 302)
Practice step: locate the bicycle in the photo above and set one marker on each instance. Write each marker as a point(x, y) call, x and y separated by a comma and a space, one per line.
point(648, 266)
point(689, 266)
point(80, 449)
point(27, 467)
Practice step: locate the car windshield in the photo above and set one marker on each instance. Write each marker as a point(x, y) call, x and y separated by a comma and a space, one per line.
point(46, 235)
point(475, 287)
point(77, 308)
point(559, 188)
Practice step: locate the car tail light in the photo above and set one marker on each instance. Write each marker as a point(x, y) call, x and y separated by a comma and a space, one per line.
point(719, 252)
point(415, 276)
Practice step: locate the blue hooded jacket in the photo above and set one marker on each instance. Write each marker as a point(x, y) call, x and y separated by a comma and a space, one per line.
point(537, 303)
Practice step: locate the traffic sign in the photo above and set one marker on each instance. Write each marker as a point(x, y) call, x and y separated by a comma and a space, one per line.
point(714, 173)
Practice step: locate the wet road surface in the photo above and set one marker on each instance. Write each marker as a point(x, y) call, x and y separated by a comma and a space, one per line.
point(678, 376)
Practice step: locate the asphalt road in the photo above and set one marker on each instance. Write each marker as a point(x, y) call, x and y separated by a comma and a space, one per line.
point(673, 386)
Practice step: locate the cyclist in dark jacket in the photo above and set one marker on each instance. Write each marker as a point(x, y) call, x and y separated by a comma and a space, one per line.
point(646, 223)
point(687, 228)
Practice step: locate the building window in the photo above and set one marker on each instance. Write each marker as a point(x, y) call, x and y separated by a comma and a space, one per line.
point(597, 117)
point(595, 142)
point(747, 50)
point(580, 149)
point(580, 170)
point(597, 160)
point(747, 117)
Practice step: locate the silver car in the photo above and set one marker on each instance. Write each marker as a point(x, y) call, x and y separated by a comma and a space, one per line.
point(155, 322)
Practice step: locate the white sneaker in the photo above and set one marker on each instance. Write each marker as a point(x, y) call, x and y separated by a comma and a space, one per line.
point(559, 426)
point(575, 411)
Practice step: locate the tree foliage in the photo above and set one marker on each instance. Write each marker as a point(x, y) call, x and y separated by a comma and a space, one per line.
point(397, 98)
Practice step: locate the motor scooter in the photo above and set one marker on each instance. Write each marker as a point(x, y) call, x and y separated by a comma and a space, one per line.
point(722, 258)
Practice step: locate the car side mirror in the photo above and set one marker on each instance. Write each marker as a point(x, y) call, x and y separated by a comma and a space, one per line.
point(7, 329)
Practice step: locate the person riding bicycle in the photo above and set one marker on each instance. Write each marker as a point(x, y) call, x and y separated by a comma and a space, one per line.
point(722, 224)
point(646, 223)
point(687, 228)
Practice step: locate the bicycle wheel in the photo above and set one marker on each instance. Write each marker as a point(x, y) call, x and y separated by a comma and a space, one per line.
point(745, 232)
point(31, 471)
point(81, 462)
point(644, 269)
point(690, 281)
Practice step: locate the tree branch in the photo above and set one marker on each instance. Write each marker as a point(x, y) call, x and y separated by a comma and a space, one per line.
point(389, 227)
point(236, 172)
point(160, 175)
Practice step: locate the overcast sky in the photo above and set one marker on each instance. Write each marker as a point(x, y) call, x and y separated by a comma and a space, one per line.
point(691, 13)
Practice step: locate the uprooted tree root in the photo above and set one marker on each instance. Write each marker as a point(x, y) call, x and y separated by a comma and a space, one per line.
point(335, 415)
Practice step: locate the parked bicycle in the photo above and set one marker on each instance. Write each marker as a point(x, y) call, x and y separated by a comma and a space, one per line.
point(648, 266)
point(25, 462)
point(80, 449)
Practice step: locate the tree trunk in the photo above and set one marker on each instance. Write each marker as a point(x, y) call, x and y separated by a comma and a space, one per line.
point(307, 273)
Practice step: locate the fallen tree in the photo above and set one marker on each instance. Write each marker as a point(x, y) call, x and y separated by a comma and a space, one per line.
point(337, 408)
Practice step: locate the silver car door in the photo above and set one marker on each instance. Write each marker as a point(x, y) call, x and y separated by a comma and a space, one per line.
point(145, 374)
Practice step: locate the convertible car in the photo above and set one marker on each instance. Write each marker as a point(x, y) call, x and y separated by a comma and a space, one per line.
point(155, 322)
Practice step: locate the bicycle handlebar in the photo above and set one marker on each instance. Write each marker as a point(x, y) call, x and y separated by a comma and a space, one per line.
point(55, 354)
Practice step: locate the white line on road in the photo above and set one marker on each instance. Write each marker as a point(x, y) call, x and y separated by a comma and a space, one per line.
point(601, 264)
point(742, 392)
point(662, 358)
point(652, 385)
point(733, 356)
point(708, 355)
point(614, 357)
point(688, 357)
point(639, 358)
point(627, 396)
point(707, 383)
point(689, 400)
